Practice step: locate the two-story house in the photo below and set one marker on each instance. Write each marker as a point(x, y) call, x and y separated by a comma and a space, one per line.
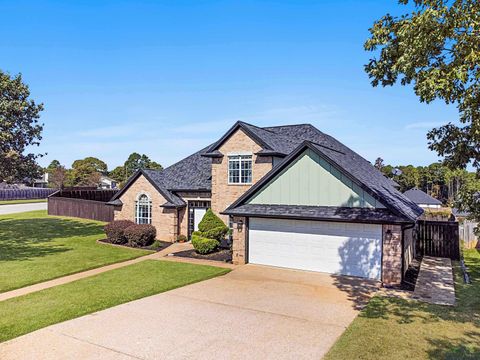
point(294, 197)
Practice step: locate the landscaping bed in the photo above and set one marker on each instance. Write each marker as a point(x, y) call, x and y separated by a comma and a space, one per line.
point(224, 255)
point(156, 246)
point(410, 278)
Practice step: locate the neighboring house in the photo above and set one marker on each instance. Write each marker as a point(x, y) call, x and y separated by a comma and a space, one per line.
point(294, 197)
point(107, 183)
point(422, 199)
point(41, 182)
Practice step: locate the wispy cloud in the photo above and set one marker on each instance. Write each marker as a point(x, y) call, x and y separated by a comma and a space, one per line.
point(422, 125)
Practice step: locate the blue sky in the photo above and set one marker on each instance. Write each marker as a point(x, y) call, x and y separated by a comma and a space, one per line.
point(167, 78)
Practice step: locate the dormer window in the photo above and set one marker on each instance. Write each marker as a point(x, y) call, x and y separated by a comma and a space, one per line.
point(240, 169)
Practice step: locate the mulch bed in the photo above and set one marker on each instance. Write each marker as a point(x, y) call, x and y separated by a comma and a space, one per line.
point(410, 278)
point(161, 245)
point(223, 255)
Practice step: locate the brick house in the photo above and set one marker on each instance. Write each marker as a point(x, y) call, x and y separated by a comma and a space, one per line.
point(294, 197)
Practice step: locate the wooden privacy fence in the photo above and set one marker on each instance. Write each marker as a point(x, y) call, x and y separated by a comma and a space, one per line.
point(25, 194)
point(438, 238)
point(86, 204)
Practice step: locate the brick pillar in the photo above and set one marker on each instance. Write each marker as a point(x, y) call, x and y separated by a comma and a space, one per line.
point(392, 255)
point(239, 254)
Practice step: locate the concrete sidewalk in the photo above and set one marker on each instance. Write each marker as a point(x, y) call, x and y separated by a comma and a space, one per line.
point(435, 283)
point(18, 208)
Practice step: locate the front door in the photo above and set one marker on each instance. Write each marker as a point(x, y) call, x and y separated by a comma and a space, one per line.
point(196, 210)
point(198, 216)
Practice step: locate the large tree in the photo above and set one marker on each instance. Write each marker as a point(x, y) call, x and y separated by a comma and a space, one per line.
point(136, 162)
point(86, 172)
point(436, 49)
point(19, 129)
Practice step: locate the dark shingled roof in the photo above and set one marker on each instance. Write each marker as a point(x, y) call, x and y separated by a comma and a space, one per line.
point(194, 172)
point(420, 197)
point(317, 213)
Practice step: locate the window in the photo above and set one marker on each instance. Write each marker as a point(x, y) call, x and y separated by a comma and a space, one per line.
point(240, 169)
point(143, 210)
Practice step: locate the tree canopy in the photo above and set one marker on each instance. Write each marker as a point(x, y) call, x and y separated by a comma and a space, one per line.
point(436, 49)
point(134, 162)
point(19, 129)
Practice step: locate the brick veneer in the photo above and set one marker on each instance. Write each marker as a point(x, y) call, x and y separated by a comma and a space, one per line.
point(164, 220)
point(239, 241)
point(392, 255)
point(224, 194)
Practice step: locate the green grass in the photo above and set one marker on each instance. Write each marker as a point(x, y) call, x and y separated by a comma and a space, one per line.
point(35, 247)
point(13, 202)
point(30, 312)
point(390, 328)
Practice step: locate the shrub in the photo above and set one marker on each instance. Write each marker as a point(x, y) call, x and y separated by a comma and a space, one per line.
point(212, 226)
point(217, 233)
point(115, 231)
point(204, 245)
point(139, 235)
point(181, 238)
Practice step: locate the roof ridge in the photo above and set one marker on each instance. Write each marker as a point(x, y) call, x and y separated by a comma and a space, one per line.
point(288, 125)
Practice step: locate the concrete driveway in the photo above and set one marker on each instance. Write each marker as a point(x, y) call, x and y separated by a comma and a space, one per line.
point(252, 312)
point(18, 208)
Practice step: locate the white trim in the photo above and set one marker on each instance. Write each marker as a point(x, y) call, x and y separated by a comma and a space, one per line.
point(145, 216)
point(229, 159)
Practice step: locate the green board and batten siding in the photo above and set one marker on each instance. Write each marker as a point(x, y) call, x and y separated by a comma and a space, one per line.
point(310, 180)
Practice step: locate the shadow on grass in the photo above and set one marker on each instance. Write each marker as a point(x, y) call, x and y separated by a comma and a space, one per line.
point(23, 239)
point(456, 349)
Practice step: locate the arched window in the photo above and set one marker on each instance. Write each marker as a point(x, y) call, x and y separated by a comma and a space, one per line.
point(143, 210)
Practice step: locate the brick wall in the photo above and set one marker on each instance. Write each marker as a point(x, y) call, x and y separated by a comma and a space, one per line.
point(164, 220)
point(239, 237)
point(392, 255)
point(224, 194)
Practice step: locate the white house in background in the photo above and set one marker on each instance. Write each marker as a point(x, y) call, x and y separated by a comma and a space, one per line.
point(42, 182)
point(422, 199)
point(107, 183)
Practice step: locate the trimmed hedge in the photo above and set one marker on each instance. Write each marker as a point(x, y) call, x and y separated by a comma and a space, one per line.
point(212, 226)
point(115, 231)
point(140, 235)
point(204, 245)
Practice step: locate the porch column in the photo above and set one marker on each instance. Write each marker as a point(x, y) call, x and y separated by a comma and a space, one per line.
point(392, 255)
point(239, 240)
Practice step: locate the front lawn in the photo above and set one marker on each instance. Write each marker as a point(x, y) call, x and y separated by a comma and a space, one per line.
point(390, 328)
point(30, 312)
point(35, 247)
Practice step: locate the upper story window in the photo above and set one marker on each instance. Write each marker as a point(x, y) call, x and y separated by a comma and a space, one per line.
point(143, 210)
point(240, 169)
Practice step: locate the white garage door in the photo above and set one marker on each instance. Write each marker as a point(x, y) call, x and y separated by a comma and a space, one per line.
point(331, 247)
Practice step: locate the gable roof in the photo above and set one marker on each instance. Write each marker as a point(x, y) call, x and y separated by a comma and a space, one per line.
point(420, 197)
point(362, 172)
point(194, 172)
point(191, 173)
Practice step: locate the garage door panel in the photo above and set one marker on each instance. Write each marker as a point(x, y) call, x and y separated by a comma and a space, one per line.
point(341, 248)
